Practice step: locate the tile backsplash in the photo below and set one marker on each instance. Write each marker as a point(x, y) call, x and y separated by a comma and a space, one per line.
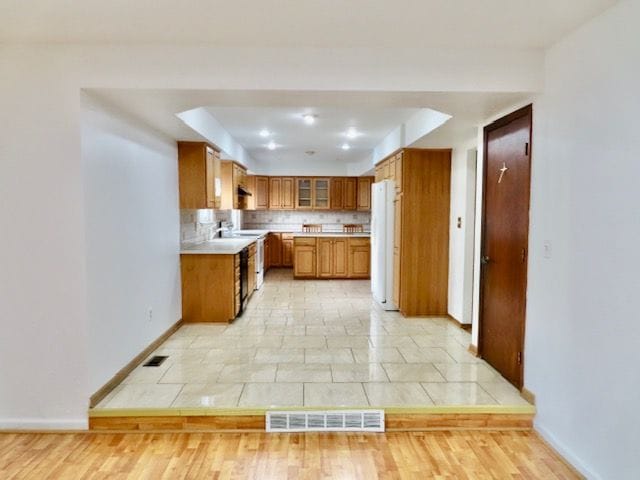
point(292, 220)
point(197, 226)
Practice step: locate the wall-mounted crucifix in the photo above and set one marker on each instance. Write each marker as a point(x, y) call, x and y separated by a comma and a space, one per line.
point(502, 171)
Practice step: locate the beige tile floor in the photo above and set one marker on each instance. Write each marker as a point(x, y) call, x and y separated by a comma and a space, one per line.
point(315, 343)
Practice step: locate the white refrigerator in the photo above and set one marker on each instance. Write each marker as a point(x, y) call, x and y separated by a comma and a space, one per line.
point(382, 218)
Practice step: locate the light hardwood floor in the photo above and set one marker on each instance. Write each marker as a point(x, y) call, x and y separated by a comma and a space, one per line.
point(472, 455)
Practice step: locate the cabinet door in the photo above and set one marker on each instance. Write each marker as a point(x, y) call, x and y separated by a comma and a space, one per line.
point(379, 173)
point(398, 174)
point(304, 261)
point(276, 249)
point(252, 274)
point(337, 202)
point(397, 225)
point(321, 193)
point(364, 193)
point(275, 193)
point(261, 193)
point(210, 174)
point(396, 277)
point(386, 172)
point(392, 168)
point(287, 253)
point(287, 194)
point(359, 259)
point(304, 193)
point(340, 258)
point(325, 257)
point(267, 254)
point(350, 193)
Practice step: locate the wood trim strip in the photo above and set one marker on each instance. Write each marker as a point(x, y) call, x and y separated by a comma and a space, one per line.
point(129, 367)
point(212, 412)
point(528, 395)
point(252, 423)
point(473, 350)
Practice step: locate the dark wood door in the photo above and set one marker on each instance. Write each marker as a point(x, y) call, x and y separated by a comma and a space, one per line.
point(507, 171)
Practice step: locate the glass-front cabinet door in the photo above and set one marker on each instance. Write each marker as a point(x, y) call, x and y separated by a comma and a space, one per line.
point(321, 193)
point(304, 195)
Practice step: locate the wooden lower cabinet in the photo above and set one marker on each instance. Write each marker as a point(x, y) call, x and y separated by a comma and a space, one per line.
point(275, 240)
point(252, 270)
point(210, 287)
point(333, 257)
point(304, 258)
point(287, 250)
point(359, 258)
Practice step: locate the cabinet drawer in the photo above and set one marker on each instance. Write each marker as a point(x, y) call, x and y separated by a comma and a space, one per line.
point(359, 242)
point(252, 249)
point(287, 236)
point(305, 241)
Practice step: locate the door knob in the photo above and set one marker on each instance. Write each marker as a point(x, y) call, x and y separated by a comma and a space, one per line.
point(484, 259)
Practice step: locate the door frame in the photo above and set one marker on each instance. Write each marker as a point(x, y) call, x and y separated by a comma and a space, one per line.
point(526, 111)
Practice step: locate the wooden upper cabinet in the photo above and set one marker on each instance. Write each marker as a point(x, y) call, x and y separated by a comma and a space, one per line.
point(337, 195)
point(281, 193)
point(398, 172)
point(304, 193)
point(364, 193)
point(233, 176)
point(287, 194)
point(321, 192)
point(344, 193)
point(275, 193)
point(261, 193)
point(380, 172)
point(350, 194)
point(199, 175)
point(259, 188)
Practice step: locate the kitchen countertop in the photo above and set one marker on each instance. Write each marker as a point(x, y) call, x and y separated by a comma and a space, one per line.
point(218, 246)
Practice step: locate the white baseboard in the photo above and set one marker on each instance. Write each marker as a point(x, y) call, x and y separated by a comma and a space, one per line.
point(28, 424)
point(565, 453)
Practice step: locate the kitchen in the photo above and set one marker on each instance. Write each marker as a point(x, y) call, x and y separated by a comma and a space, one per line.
point(310, 276)
point(232, 256)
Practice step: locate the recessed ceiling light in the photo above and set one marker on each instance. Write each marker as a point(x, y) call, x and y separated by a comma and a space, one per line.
point(346, 146)
point(352, 133)
point(309, 118)
point(310, 152)
point(271, 145)
point(264, 133)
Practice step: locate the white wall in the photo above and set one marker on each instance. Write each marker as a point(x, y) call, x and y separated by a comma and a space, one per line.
point(43, 298)
point(132, 237)
point(583, 335)
point(461, 240)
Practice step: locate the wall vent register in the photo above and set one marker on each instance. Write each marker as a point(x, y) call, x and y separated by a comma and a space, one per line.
point(326, 421)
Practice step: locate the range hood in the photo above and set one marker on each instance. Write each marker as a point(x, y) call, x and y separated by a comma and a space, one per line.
point(242, 192)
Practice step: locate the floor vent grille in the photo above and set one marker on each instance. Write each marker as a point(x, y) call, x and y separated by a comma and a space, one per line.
point(326, 421)
point(155, 361)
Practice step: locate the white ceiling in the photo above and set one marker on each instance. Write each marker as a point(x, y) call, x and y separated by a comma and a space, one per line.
point(296, 23)
point(294, 138)
point(244, 113)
